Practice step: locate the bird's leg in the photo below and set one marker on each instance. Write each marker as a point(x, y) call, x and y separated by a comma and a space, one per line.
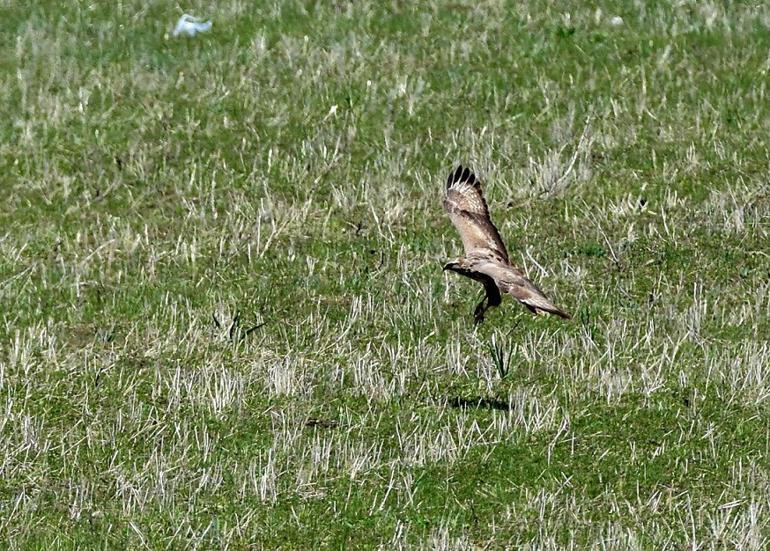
point(478, 313)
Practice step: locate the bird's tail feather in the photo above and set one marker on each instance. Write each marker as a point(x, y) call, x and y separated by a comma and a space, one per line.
point(550, 309)
point(533, 298)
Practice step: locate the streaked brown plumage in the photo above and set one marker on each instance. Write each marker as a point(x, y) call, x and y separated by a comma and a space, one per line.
point(486, 259)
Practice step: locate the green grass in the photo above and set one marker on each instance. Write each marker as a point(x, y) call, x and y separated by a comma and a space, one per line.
point(225, 321)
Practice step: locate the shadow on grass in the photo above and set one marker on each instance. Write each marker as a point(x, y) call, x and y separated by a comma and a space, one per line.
point(479, 403)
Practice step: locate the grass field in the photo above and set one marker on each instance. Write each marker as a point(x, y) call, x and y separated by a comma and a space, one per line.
point(224, 319)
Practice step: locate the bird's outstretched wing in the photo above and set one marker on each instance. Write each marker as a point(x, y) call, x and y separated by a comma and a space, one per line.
point(512, 280)
point(465, 204)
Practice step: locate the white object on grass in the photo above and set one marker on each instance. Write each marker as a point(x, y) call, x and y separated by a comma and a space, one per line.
point(332, 112)
point(616, 21)
point(190, 26)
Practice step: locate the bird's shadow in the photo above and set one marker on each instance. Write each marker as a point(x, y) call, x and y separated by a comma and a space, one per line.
point(478, 402)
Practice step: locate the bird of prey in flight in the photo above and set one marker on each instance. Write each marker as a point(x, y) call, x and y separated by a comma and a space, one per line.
point(486, 259)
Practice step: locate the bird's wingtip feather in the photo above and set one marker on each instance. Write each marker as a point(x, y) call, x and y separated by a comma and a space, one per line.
point(462, 174)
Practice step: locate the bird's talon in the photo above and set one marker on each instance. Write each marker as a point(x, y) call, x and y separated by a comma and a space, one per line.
point(478, 314)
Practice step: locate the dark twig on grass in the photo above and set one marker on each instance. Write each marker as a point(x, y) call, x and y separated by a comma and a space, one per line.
point(250, 330)
point(234, 325)
point(234, 333)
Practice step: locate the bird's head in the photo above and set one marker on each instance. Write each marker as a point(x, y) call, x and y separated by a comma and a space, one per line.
point(454, 265)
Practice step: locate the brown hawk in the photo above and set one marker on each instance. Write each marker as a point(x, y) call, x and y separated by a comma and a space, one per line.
point(486, 259)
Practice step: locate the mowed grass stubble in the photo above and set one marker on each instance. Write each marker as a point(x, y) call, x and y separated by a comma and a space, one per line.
point(224, 316)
